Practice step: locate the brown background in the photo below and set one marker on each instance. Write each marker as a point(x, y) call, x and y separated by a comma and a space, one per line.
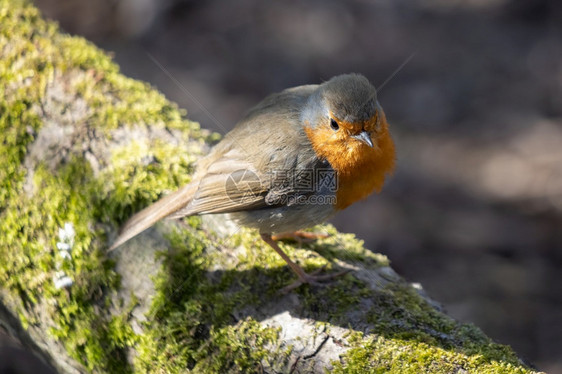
point(474, 211)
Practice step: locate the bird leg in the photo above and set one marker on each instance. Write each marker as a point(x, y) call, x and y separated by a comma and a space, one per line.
point(304, 278)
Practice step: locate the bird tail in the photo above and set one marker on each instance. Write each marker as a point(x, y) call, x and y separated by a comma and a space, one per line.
point(154, 213)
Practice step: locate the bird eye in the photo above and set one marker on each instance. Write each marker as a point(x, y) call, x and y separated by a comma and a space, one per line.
point(334, 125)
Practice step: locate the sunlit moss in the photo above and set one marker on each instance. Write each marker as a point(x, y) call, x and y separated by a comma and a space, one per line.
point(36, 57)
point(191, 324)
point(410, 336)
point(380, 354)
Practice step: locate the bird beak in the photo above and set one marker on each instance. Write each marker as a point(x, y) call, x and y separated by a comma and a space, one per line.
point(365, 138)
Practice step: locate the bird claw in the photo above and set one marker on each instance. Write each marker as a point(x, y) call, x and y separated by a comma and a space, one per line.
point(313, 279)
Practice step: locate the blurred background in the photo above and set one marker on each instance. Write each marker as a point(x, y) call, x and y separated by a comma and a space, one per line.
point(474, 210)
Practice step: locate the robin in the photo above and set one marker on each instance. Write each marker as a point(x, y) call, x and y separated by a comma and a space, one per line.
point(293, 161)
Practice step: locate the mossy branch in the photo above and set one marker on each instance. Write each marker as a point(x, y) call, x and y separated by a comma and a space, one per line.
point(82, 148)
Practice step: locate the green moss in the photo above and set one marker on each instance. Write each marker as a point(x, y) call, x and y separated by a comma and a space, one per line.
point(134, 184)
point(36, 59)
point(346, 247)
point(410, 336)
point(191, 324)
point(379, 354)
point(238, 348)
point(29, 261)
point(406, 334)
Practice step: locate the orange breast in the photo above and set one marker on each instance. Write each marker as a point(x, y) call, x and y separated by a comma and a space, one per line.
point(361, 169)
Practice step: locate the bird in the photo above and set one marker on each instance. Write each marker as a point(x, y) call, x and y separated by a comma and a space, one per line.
point(293, 161)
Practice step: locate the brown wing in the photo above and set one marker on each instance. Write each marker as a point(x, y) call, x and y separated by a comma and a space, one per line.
point(228, 185)
point(248, 169)
point(231, 185)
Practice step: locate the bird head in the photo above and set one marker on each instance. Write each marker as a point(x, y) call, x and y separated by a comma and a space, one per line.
point(343, 115)
point(347, 127)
